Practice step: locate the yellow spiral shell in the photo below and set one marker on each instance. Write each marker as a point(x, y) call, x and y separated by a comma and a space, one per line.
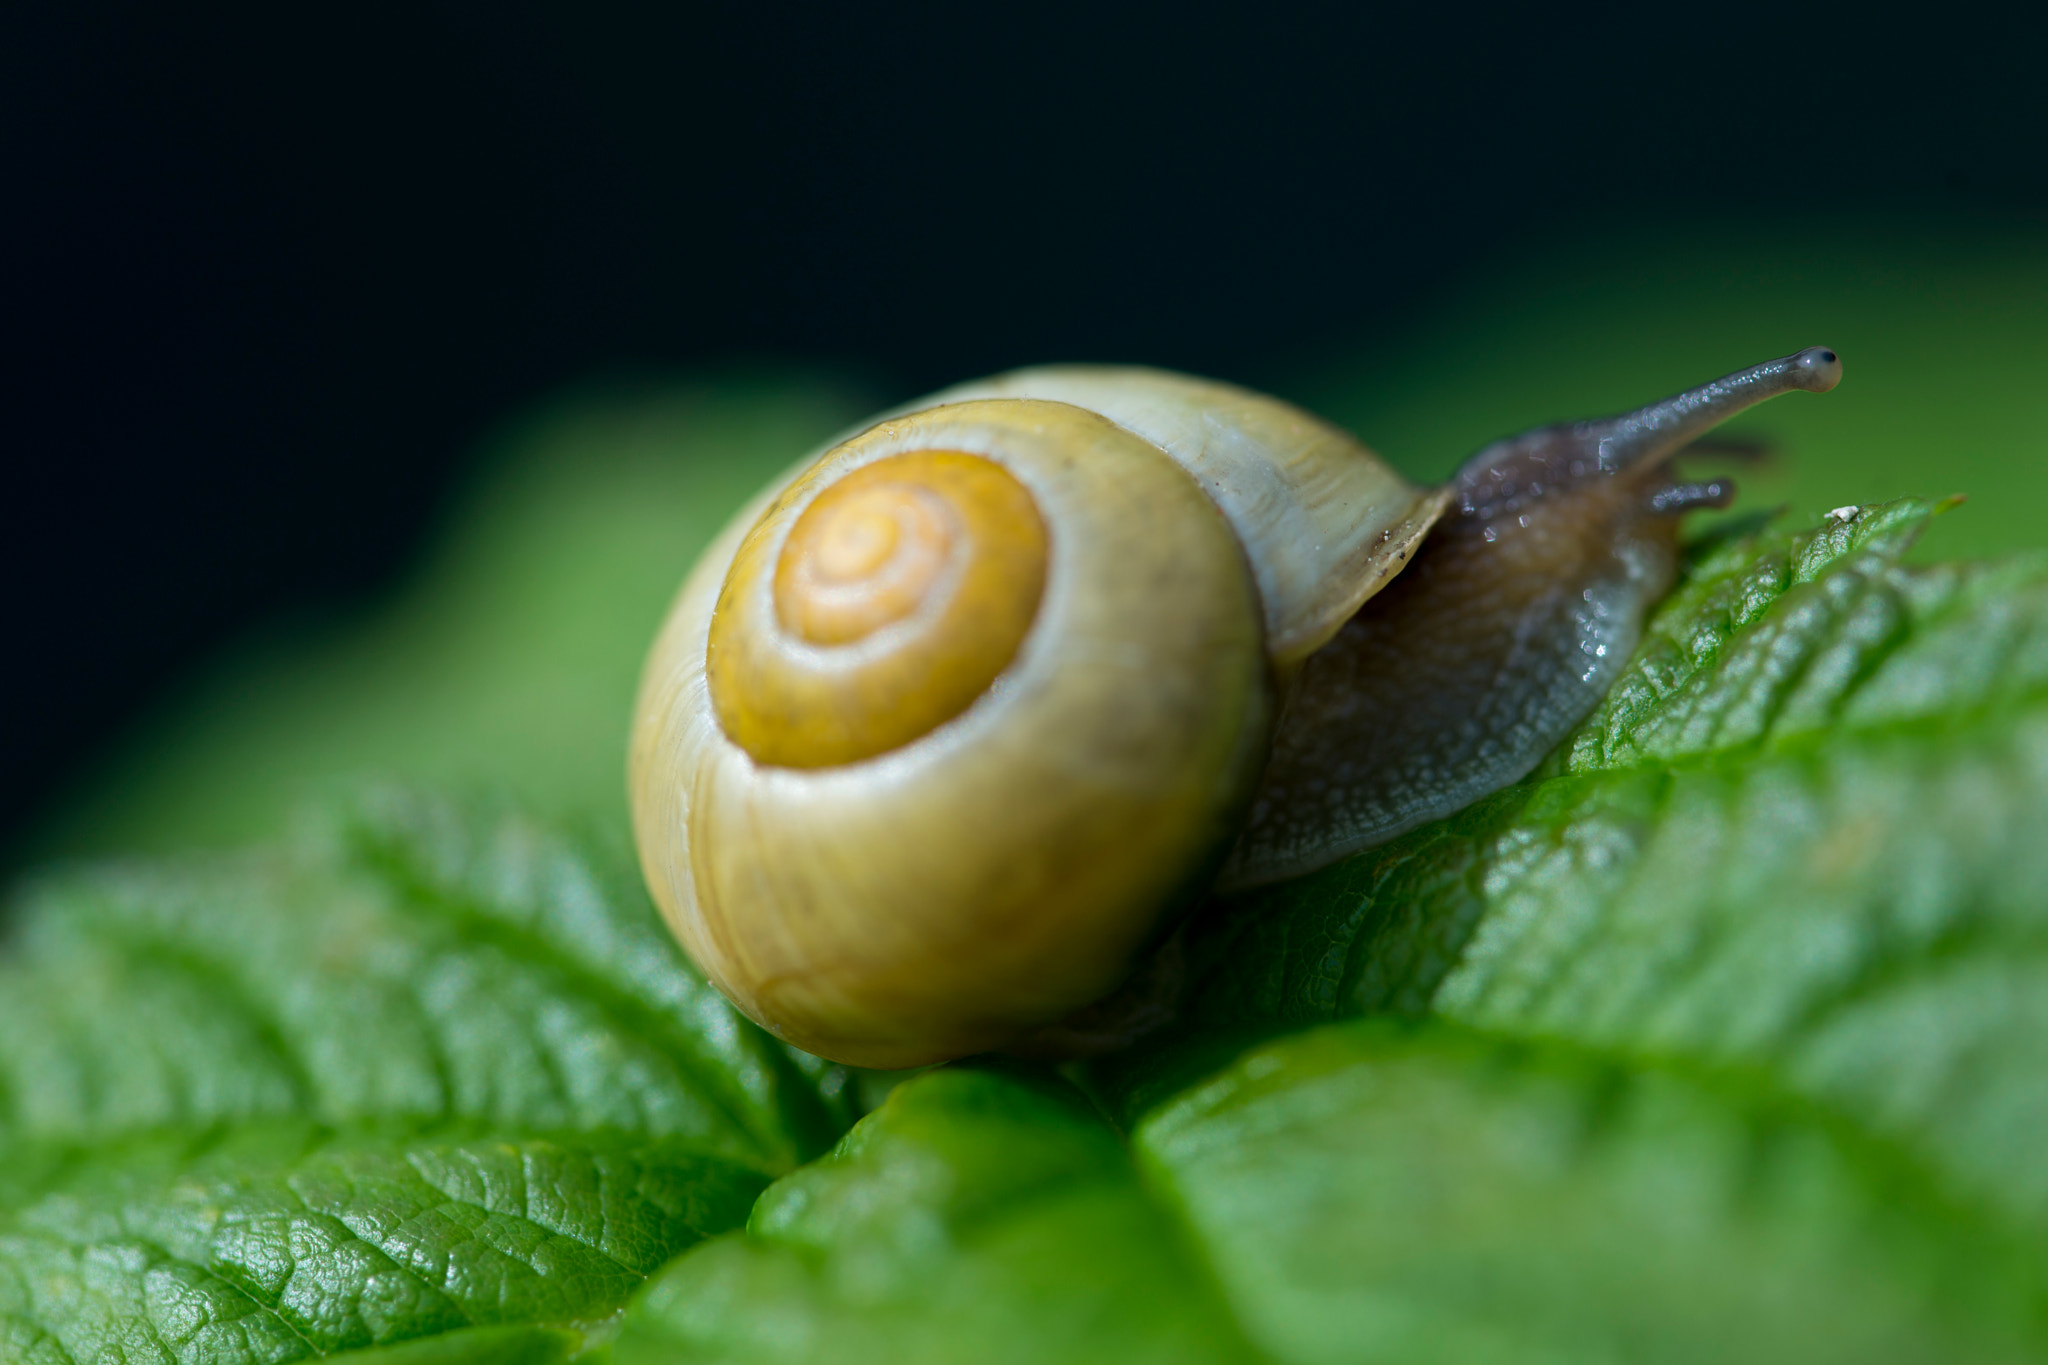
point(944, 728)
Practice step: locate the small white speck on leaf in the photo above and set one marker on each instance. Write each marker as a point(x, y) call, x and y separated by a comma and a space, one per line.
point(1844, 515)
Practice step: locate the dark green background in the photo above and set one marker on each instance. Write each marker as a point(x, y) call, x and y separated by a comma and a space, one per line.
point(271, 276)
point(509, 659)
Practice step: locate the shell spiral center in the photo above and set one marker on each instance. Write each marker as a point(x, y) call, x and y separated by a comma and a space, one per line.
point(898, 595)
point(866, 554)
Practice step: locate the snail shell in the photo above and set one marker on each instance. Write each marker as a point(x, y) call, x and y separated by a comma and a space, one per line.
point(949, 723)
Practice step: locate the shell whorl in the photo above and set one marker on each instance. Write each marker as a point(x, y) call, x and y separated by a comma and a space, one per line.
point(883, 610)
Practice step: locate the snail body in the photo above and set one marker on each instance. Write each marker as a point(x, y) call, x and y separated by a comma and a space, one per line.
point(948, 724)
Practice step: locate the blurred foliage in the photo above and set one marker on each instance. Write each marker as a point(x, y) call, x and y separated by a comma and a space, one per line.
point(1942, 327)
point(512, 659)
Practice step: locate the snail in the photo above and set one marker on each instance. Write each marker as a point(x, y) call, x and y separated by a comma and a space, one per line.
point(954, 720)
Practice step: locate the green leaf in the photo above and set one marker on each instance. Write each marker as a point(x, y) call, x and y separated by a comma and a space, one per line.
point(1806, 835)
point(1719, 1038)
point(1366, 1192)
point(976, 1216)
point(419, 1073)
point(1776, 654)
point(1801, 851)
